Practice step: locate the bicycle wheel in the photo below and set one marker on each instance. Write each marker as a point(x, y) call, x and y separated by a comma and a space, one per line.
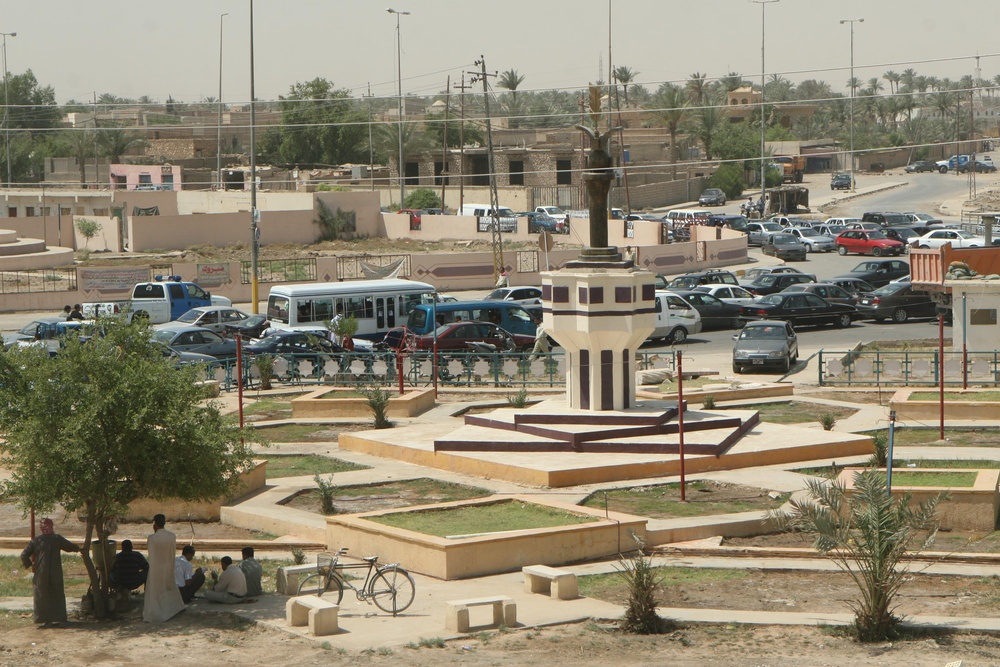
point(392, 589)
point(317, 584)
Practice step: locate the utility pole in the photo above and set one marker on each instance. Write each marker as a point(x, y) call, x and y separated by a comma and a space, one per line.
point(444, 150)
point(254, 213)
point(461, 140)
point(763, 125)
point(218, 138)
point(621, 141)
point(371, 149)
point(496, 234)
point(97, 177)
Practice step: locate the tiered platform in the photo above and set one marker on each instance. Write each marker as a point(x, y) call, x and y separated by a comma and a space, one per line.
point(19, 254)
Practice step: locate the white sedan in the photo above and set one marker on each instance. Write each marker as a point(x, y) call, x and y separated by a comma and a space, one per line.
point(728, 294)
point(956, 237)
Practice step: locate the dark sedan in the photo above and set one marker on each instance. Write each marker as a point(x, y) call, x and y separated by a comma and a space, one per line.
point(293, 342)
point(920, 166)
point(828, 291)
point(252, 327)
point(896, 301)
point(457, 336)
point(877, 272)
point(854, 286)
point(840, 182)
point(185, 338)
point(712, 197)
point(799, 309)
point(785, 246)
point(715, 313)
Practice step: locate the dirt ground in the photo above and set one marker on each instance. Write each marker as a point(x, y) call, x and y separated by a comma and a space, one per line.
point(955, 541)
point(207, 639)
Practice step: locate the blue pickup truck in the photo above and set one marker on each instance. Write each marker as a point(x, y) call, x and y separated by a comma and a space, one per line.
point(162, 300)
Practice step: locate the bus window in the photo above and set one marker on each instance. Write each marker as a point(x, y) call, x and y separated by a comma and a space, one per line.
point(359, 307)
point(520, 314)
point(303, 311)
point(390, 312)
point(277, 309)
point(323, 309)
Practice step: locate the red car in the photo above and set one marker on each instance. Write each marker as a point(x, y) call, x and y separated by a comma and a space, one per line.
point(868, 242)
point(457, 335)
point(415, 216)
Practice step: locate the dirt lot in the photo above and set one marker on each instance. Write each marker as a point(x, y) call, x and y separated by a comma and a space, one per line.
point(205, 639)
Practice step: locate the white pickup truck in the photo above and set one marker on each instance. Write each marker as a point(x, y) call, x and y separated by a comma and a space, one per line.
point(158, 301)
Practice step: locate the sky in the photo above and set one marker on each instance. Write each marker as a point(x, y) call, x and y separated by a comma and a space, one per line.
point(172, 49)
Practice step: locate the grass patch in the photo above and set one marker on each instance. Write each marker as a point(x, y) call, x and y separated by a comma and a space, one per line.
point(964, 397)
point(901, 465)
point(703, 498)
point(298, 432)
point(488, 518)
point(293, 466)
point(795, 412)
point(613, 588)
point(270, 408)
point(388, 495)
point(968, 437)
point(670, 386)
point(937, 479)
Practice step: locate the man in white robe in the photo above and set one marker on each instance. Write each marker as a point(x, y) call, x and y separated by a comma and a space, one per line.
point(162, 597)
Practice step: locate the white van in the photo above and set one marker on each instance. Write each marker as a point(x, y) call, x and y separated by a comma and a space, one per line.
point(675, 318)
point(687, 216)
point(484, 215)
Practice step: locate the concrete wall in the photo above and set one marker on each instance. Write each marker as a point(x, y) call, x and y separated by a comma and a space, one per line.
point(144, 509)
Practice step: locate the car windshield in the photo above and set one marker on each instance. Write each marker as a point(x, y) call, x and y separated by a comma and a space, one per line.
point(876, 235)
point(783, 239)
point(498, 294)
point(890, 289)
point(865, 267)
point(808, 231)
point(772, 227)
point(966, 235)
point(190, 316)
point(765, 280)
point(770, 299)
point(164, 336)
point(765, 332)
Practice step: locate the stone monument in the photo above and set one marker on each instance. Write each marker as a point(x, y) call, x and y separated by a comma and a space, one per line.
point(599, 307)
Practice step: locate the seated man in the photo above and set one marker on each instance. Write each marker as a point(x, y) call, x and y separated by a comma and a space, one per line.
point(231, 587)
point(188, 578)
point(130, 568)
point(253, 571)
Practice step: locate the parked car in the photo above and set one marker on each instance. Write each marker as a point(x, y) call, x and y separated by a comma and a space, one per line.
point(976, 165)
point(868, 243)
point(416, 216)
point(896, 301)
point(757, 232)
point(45, 328)
point(776, 282)
point(728, 293)
point(920, 166)
point(828, 291)
point(457, 336)
point(213, 318)
point(751, 275)
point(709, 277)
point(187, 338)
point(712, 197)
point(715, 313)
point(886, 219)
point(877, 272)
point(675, 318)
point(833, 231)
point(541, 222)
point(526, 296)
point(799, 309)
point(865, 226)
point(813, 240)
point(923, 219)
point(901, 234)
point(840, 221)
point(554, 212)
point(252, 327)
point(840, 182)
point(785, 246)
point(180, 359)
point(958, 238)
point(736, 222)
point(854, 286)
point(294, 342)
point(765, 344)
point(787, 221)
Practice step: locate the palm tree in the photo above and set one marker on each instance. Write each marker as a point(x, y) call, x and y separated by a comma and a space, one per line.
point(853, 84)
point(81, 146)
point(875, 85)
point(907, 78)
point(779, 89)
point(671, 108)
point(510, 80)
point(709, 119)
point(115, 141)
point(625, 75)
point(696, 87)
point(732, 81)
point(943, 102)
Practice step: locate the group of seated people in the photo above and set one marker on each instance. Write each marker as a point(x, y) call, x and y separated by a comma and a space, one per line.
point(233, 585)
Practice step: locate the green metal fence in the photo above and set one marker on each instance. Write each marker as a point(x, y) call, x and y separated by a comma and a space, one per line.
point(37, 280)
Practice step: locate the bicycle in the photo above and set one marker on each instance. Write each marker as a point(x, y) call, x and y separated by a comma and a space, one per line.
point(390, 587)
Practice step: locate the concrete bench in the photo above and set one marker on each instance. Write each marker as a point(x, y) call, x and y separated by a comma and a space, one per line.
point(289, 577)
point(457, 616)
point(320, 615)
point(559, 584)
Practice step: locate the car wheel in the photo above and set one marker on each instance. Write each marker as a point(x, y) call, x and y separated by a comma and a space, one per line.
point(736, 368)
point(842, 249)
point(876, 251)
point(878, 320)
point(900, 315)
point(844, 320)
point(678, 335)
point(809, 247)
point(786, 365)
point(943, 170)
point(736, 323)
point(924, 246)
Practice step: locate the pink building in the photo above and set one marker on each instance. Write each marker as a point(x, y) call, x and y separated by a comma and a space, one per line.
point(145, 177)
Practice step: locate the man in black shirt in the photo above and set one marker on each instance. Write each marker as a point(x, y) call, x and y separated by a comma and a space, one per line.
point(130, 568)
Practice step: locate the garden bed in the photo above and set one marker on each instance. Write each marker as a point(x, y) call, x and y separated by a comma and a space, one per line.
point(706, 497)
point(388, 495)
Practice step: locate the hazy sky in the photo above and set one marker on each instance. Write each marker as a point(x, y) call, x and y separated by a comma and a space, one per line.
point(172, 48)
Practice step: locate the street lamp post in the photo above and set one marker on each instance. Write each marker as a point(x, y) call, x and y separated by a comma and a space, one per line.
point(6, 103)
point(763, 126)
point(218, 141)
point(851, 84)
point(254, 213)
point(399, 81)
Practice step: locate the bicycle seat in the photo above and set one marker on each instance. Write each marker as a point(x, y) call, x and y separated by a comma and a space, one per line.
point(370, 559)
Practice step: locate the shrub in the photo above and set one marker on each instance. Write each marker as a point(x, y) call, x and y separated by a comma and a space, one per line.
point(378, 402)
point(265, 366)
point(298, 556)
point(642, 580)
point(709, 402)
point(828, 421)
point(334, 225)
point(879, 457)
point(518, 400)
point(422, 198)
point(729, 179)
point(88, 229)
point(326, 489)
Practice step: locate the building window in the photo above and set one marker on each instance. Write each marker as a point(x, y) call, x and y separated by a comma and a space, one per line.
point(564, 172)
point(983, 316)
point(480, 170)
point(101, 212)
point(167, 180)
point(517, 172)
point(412, 174)
point(29, 211)
point(145, 179)
point(439, 176)
point(11, 211)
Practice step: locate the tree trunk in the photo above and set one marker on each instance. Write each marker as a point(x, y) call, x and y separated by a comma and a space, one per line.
point(98, 585)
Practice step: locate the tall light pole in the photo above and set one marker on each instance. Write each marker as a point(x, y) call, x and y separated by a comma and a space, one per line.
point(254, 213)
point(851, 84)
point(218, 141)
point(763, 126)
point(6, 103)
point(399, 80)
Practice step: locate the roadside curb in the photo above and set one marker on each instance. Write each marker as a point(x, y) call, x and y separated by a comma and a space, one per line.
point(857, 195)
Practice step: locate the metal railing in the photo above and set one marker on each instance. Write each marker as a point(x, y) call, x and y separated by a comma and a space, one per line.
point(454, 369)
point(279, 271)
point(908, 368)
point(38, 280)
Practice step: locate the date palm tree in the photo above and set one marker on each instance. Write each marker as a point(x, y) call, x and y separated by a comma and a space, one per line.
point(696, 87)
point(510, 80)
point(893, 78)
point(625, 75)
point(671, 103)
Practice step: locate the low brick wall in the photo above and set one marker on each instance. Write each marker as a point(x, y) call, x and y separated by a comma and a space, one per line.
point(326, 403)
point(175, 509)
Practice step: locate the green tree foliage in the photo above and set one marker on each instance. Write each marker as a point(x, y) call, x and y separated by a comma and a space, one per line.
point(88, 229)
point(866, 533)
point(104, 423)
point(116, 141)
point(32, 110)
point(728, 178)
point(422, 198)
point(670, 104)
point(320, 125)
point(333, 225)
